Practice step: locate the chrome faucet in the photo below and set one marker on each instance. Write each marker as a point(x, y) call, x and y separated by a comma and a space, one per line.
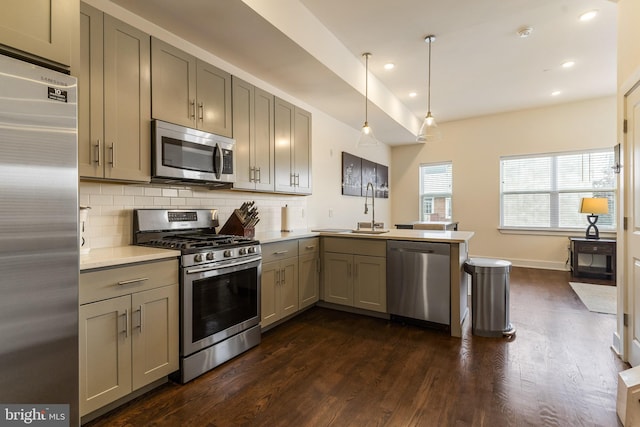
point(373, 204)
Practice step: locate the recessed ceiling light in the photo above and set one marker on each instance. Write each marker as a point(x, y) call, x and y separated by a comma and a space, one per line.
point(389, 66)
point(555, 93)
point(524, 32)
point(413, 94)
point(588, 16)
point(568, 64)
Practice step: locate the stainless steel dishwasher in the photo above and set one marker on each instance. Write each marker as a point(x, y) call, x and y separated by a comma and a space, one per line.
point(418, 280)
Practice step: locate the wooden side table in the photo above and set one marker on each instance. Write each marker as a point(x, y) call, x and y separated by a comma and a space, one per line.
point(595, 248)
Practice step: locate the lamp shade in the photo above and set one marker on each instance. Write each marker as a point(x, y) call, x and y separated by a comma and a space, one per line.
point(594, 205)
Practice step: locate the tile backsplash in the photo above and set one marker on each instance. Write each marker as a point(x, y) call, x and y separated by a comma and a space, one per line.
point(109, 223)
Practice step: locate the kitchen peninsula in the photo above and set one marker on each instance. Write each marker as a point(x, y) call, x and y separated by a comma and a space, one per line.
point(353, 246)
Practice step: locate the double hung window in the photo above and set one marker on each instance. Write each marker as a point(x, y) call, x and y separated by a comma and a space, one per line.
point(435, 191)
point(544, 191)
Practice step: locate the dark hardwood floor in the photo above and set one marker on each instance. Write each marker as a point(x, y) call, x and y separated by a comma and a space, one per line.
point(327, 367)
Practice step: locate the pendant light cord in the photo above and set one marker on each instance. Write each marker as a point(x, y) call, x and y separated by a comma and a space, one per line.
point(366, 88)
point(429, 78)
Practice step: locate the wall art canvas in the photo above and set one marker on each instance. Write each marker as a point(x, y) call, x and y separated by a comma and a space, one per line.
point(351, 175)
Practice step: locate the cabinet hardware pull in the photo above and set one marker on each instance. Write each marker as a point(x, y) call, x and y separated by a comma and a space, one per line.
point(280, 252)
point(193, 109)
point(284, 277)
point(113, 155)
point(128, 282)
point(98, 159)
point(141, 316)
point(201, 111)
point(126, 323)
point(292, 180)
point(259, 179)
point(252, 172)
point(310, 247)
point(277, 277)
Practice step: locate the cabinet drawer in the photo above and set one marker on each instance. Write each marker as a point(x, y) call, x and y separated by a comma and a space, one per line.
point(371, 247)
point(279, 250)
point(595, 248)
point(106, 283)
point(309, 246)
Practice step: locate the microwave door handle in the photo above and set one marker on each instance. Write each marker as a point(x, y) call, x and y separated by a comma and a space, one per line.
point(218, 161)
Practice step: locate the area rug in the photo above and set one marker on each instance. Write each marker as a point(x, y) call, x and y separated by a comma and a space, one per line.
point(597, 298)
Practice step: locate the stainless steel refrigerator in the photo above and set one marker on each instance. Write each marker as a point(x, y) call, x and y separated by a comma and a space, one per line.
point(39, 254)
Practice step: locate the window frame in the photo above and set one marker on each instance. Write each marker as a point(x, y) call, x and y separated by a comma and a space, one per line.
point(448, 196)
point(555, 192)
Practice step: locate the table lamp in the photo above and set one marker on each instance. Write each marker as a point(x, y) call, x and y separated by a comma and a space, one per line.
point(593, 206)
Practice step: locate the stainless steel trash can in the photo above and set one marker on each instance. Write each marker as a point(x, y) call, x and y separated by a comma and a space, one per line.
point(489, 297)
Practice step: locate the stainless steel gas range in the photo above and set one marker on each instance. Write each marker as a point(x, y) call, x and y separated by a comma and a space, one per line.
point(219, 285)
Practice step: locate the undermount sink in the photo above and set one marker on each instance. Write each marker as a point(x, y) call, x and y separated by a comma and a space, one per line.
point(369, 231)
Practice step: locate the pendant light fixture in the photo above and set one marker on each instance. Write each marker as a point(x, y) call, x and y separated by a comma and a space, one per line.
point(367, 139)
point(429, 131)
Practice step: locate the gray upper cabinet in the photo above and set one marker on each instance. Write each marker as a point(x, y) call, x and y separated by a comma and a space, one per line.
point(40, 28)
point(188, 91)
point(253, 132)
point(114, 98)
point(293, 148)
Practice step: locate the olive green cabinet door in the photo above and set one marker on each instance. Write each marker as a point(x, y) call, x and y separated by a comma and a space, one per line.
point(41, 28)
point(105, 352)
point(213, 89)
point(370, 283)
point(309, 276)
point(154, 332)
point(338, 278)
point(173, 84)
point(268, 293)
point(127, 102)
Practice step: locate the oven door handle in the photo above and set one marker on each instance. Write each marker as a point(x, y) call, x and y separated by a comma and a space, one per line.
point(219, 266)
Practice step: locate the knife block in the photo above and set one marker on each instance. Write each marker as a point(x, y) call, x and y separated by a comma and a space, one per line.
point(235, 227)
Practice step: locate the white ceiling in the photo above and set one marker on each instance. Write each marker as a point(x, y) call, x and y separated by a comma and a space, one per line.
point(311, 49)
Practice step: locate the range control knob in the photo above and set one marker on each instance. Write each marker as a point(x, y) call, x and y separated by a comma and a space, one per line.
point(227, 253)
point(252, 249)
point(242, 251)
point(209, 256)
point(197, 258)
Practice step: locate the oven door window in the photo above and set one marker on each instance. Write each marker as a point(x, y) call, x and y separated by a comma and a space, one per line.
point(222, 301)
point(187, 155)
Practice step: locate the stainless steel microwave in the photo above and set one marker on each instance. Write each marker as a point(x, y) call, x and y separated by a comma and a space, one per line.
point(190, 156)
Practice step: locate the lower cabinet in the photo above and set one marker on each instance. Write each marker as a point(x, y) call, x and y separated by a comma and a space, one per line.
point(355, 273)
point(290, 278)
point(279, 286)
point(309, 271)
point(128, 331)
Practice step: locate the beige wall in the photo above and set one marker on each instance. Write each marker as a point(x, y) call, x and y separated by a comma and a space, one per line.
point(475, 146)
point(628, 36)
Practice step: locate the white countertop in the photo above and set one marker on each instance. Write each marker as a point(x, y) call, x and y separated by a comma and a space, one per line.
point(393, 234)
point(110, 257)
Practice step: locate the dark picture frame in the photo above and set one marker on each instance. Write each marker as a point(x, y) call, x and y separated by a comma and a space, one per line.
point(358, 172)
